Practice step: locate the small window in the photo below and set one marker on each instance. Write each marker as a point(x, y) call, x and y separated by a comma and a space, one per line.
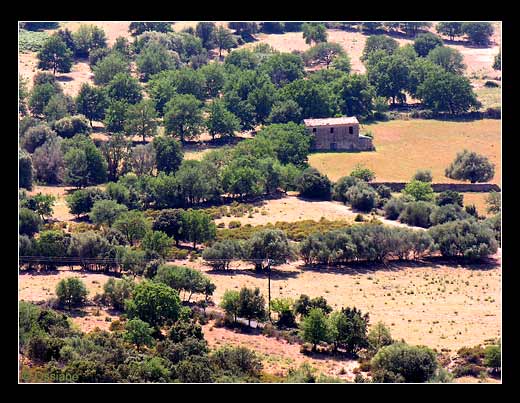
point(314, 130)
point(351, 130)
point(332, 130)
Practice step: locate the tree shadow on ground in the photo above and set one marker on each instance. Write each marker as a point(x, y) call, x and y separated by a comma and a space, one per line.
point(434, 262)
point(275, 274)
point(64, 78)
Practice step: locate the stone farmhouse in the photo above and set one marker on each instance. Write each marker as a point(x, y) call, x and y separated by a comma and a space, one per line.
point(341, 134)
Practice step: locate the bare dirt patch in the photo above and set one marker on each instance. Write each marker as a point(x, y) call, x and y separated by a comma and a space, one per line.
point(431, 304)
point(60, 209)
point(39, 287)
point(278, 356)
point(292, 209)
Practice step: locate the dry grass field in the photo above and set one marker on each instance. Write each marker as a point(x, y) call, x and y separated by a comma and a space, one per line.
point(444, 307)
point(404, 146)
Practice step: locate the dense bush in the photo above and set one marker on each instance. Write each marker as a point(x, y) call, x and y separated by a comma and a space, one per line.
point(314, 185)
point(466, 238)
point(69, 126)
point(450, 197)
point(446, 213)
point(364, 242)
point(362, 197)
point(412, 363)
point(71, 292)
point(342, 186)
point(469, 165)
point(417, 214)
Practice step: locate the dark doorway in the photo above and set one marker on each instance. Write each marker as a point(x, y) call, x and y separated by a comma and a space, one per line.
point(333, 146)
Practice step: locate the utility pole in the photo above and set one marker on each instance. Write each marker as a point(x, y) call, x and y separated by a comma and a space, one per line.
point(269, 287)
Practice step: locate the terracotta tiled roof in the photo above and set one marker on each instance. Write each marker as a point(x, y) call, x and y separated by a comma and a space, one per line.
point(344, 120)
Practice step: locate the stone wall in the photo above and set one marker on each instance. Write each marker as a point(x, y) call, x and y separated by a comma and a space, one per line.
point(441, 187)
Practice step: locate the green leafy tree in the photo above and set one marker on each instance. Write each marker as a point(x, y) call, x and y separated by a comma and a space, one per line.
point(156, 242)
point(214, 78)
point(154, 303)
point(379, 337)
point(81, 201)
point(138, 332)
point(468, 165)
point(183, 116)
point(464, 238)
point(91, 102)
point(123, 87)
point(478, 33)
point(378, 42)
point(447, 92)
point(451, 29)
point(221, 121)
point(85, 165)
point(315, 328)
point(493, 358)
point(25, 169)
point(111, 65)
point(155, 58)
point(362, 197)
point(55, 56)
point(348, 329)
point(206, 32)
point(314, 185)
point(283, 68)
point(285, 112)
point(87, 38)
point(497, 61)
point(451, 60)
point(115, 116)
point(224, 39)
point(251, 304)
point(198, 227)
point(449, 197)
point(419, 190)
point(137, 28)
point(168, 154)
point(325, 53)
point(106, 212)
point(170, 222)
point(389, 74)
point(231, 303)
point(71, 292)
point(426, 42)
point(141, 119)
point(363, 173)
point(133, 225)
point(115, 292)
point(269, 244)
point(314, 32)
point(291, 142)
point(28, 222)
point(41, 203)
point(40, 96)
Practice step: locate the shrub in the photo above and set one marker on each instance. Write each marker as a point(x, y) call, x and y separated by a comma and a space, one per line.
point(69, 126)
point(449, 197)
point(412, 363)
point(362, 197)
point(493, 358)
point(314, 185)
point(342, 186)
point(446, 213)
point(115, 292)
point(467, 238)
point(423, 176)
point(363, 173)
point(417, 214)
point(234, 224)
point(29, 222)
point(71, 292)
point(394, 207)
